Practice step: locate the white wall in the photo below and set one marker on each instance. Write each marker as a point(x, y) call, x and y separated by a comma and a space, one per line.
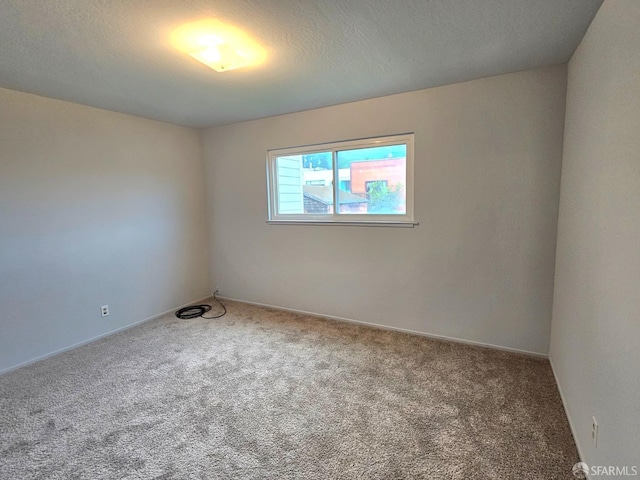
point(595, 341)
point(479, 267)
point(96, 208)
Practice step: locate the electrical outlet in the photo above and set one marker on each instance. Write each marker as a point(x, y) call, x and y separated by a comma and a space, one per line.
point(594, 432)
point(104, 310)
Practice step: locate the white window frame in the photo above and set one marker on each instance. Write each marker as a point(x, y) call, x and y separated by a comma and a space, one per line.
point(368, 219)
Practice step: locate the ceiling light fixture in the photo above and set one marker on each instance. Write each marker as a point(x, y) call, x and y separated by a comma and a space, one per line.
point(218, 45)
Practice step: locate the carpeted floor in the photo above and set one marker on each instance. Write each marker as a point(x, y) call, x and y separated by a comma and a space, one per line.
point(261, 394)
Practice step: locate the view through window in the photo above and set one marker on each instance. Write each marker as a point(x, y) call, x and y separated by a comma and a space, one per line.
point(360, 180)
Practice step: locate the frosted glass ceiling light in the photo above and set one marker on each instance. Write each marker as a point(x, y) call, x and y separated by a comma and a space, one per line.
point(218, 45)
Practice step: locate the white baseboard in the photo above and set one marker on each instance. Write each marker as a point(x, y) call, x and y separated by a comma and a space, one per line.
point(397, 329)
point(304, 312)
point(93, 339)
point(566, 411)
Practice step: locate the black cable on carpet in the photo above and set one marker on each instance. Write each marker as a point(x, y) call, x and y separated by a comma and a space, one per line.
point(195, 311)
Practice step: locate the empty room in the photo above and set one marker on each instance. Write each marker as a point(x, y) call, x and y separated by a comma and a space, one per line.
point(319, 239)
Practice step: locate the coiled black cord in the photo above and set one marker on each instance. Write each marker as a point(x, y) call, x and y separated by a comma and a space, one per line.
point(195, 311)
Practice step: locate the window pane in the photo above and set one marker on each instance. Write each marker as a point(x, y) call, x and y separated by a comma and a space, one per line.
point(305, 183)
point(372, 180)
point(343, 182)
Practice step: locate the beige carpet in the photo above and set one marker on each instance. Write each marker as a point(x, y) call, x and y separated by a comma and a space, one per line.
point(262, 394)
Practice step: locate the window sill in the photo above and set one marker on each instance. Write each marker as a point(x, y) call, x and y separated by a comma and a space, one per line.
point(372, 223)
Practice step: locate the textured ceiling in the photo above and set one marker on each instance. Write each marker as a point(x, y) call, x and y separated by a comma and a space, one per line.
point(115, 54)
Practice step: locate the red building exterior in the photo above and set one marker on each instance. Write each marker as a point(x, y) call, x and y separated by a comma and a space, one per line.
point(393, 171)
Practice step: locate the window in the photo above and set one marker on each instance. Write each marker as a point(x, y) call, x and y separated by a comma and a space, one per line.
point(366, 181)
